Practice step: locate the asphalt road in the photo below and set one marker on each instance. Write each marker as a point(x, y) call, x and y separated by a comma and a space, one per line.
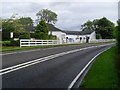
point(58, 72)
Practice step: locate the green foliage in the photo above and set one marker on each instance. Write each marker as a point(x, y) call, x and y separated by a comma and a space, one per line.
point(88, 26)
point(11, 43)
point(18, 26)
point(52, 37)
point(14, 43)
point(7, 26)
point(5, 35)
point(23, 34)
point(118, 34)
point(105, 28)
point(41, 31)
point(47, 15)
point(102, 26)
point(6, 43)
point(98, 36)
point(26, 21)
point(41, 35)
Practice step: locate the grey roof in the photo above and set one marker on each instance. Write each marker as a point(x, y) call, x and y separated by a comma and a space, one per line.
point(86, 32)
point(30, 28)
point(78, 32)
point(53, 28)
point(72, 32)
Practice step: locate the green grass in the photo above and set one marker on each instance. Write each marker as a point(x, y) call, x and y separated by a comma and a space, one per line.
point(17, 48)
point(103, 73)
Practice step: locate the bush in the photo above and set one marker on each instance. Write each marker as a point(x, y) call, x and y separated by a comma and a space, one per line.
point(14, 43)
point(32, 35)
point(24, 35)
point(11, 43)
point(5, 35)
point(98, 36)
point(52, 37)
point(6, 43)
point(41, 35)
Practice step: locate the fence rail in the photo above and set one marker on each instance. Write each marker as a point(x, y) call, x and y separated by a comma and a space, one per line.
point(102, 40)
point(28, 42)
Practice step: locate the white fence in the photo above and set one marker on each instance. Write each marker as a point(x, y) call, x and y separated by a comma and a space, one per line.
point(102, 40)
point(28, 42)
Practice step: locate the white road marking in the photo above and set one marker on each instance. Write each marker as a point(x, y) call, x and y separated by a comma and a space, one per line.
point(80, 73)
point(26, 64)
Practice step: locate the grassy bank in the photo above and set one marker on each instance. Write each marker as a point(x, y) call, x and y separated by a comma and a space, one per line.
point(103, 73)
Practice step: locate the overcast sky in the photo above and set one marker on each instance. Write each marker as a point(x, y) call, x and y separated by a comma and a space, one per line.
point(71, 15)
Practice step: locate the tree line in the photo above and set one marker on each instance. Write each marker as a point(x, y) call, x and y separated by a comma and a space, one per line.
point(104, 28)
point(21, 26)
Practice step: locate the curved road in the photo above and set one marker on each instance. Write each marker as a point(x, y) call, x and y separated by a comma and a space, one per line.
point(57, 72)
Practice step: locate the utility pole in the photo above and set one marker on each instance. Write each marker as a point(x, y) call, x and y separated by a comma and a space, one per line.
point(119, 10)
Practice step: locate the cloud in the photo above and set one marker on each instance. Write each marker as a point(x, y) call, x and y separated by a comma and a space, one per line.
point(71, 15)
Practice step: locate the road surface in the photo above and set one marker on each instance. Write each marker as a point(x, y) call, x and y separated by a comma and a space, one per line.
point(59, 67)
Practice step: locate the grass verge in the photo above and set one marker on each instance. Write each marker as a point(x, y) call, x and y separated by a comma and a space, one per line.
point(17, 48)
point(103, 72)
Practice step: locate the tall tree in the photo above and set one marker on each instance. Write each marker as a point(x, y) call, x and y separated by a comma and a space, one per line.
point(103, 27)
point(26, 21)
point(17, 25)
point(47, 15)
point(88, 26)
point(41, 30)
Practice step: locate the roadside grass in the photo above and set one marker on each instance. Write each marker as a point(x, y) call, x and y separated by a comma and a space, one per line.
point(17, 48)
point(103, 73)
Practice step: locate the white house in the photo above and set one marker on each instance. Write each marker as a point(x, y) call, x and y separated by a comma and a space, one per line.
point(68, 36)
point(61, 35)
point(80, 36)
point(72, 36)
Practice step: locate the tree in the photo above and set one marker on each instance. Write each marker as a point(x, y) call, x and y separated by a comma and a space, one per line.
point(7, 27)
point(118, 34)
point(24, 34)
point(47, 15)
point(26, 22)
point(88, 26)
point(17, 25)
point(104, 28)
point(41, 30)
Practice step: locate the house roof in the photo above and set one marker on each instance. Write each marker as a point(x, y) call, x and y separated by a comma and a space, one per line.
point(30, 28)
point(53, 28)
point(86, 32)
point(78, 32)
point(72, 32)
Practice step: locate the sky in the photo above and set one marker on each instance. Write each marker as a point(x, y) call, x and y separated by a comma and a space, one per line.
point(71, 13)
